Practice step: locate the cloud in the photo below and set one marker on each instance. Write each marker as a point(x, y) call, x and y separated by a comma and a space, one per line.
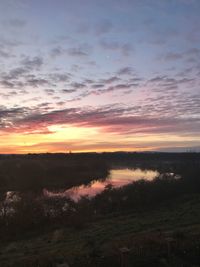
point(7, 115)
point(188, 54)
point(125, 71)
point(77, 85)
point(118, 87)
point(116, 119)
point(82, 50)
point(110, 80)
point(57, 51)
point(22, 76)
point(15, 23)
point(77, 52)
point(16, 72)
point(60, 77)
point(165, 82)
point(6, 83)
point(4, 54)
point(103, 27)
point(173, 56)
point(83, 28)
point(49, 91)
point(8, 43)
point(37, 82)
point(125, 49)
point(104, 86)
point(34, 63)
point(68, 91)
point(98, 85)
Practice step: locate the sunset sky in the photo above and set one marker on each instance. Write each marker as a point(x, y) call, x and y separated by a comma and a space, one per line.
point(99, 75)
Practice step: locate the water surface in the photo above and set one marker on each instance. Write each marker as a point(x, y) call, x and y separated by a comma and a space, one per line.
point(117, 178)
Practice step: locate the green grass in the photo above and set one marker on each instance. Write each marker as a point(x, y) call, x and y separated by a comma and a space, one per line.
point(182, 214)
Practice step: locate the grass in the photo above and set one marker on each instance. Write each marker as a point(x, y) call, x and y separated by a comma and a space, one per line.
point(181, 215)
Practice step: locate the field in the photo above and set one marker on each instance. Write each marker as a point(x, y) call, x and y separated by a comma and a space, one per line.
point(142, 224)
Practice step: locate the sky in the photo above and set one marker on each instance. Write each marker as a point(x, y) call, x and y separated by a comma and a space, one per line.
point(99, 75)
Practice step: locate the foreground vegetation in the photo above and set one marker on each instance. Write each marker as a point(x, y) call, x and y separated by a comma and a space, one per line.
point(147, 223)
point(146, 234)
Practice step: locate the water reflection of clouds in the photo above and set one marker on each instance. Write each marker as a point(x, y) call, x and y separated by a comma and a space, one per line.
point(117, 178)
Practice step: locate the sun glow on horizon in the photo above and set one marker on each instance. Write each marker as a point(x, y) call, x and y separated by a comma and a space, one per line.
point(65, 138)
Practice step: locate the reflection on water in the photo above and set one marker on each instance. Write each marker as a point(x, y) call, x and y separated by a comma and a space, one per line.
point(117, 178)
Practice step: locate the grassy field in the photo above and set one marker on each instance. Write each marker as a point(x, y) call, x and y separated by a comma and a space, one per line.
point(177, 219)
